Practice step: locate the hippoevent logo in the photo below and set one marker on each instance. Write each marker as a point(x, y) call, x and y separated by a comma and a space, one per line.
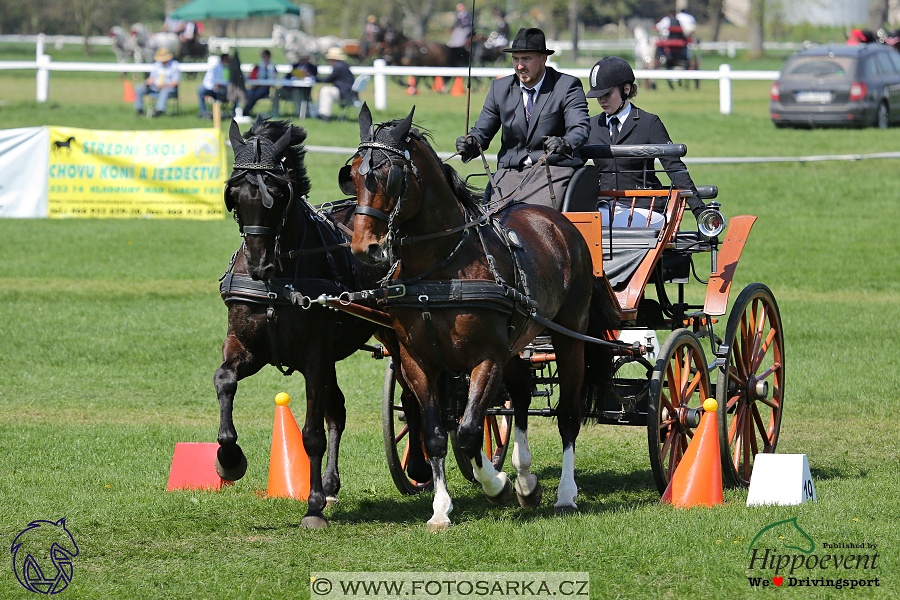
point(784, 555)
point(42, 556)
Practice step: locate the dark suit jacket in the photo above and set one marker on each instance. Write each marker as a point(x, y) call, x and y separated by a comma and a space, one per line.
point(560, 109)
point(341, 78)
point(640, 127)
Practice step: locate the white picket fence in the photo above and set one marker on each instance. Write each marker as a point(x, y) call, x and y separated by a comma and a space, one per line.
point(380, 71)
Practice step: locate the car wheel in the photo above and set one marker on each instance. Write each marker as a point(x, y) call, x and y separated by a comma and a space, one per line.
point(882, 118)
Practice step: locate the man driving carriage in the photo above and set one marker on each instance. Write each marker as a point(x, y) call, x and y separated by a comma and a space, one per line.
point(538, 108)
point(621, 122)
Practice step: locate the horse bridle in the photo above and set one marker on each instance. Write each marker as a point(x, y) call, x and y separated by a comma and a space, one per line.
point(396, 186)
point(254, 171)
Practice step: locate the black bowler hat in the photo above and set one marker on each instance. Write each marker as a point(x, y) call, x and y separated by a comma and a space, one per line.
point(529, 40)
point(608, 73)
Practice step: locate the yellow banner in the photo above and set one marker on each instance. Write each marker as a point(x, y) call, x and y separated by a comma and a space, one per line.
point(172, 174)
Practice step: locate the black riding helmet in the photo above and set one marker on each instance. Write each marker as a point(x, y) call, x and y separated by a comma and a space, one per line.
point(608, 73)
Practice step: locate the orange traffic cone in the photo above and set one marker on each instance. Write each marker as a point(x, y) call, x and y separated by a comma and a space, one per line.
point(288, 463)
point(438, 85)
point(698, 477)
point(457, 89)
point(129, 92)
point(411, 89)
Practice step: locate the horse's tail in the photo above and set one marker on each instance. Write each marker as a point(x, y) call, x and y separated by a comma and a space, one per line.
point(598, 359)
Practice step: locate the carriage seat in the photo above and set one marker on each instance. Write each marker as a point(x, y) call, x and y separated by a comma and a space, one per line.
point(623, 247)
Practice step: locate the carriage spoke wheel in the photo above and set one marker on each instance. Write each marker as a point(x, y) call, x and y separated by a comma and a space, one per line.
point(750, 387)
point(497, 433)
point(396, 436)
point(678, 386)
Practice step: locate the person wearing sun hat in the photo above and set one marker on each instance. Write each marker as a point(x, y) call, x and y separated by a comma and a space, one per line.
point(340, 80)
point(161, 83)
point(539, 109)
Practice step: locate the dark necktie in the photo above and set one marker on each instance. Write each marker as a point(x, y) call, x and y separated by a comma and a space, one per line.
point(529, 104)
point(613, 130)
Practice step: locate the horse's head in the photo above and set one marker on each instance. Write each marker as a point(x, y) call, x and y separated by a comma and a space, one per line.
point(379, 176)
point(267, 176)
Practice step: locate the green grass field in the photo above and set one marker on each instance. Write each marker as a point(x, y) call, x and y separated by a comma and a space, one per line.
point(110, 331)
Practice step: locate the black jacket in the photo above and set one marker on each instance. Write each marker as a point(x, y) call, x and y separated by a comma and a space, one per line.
point(640, 127)
point(341, 78)
point(560, 109)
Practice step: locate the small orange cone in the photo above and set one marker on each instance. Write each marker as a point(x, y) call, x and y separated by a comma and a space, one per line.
point(129, 92)
point(698, 478)
point(457, 89)
point(192, 467)
point(288, 463)
point(438, 85)
point(411, 89)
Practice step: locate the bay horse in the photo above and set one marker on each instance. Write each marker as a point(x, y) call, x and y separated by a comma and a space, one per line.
point(460, 266)
point(291, 253)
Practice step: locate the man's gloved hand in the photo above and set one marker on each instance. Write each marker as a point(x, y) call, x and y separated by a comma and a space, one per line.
point(467, 148)
point(557, 145)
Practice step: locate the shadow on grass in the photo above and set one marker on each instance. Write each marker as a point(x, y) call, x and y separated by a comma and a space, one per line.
point(599, 493)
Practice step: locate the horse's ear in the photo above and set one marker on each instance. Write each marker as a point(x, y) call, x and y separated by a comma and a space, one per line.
point(365, 123)
point(235, 134)
point(284, 141)
point(400, 132)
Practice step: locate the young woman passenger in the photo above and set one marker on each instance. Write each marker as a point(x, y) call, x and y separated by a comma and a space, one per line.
point(623, 123)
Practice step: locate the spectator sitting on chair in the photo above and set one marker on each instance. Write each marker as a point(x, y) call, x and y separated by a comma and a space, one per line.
point(264, 70)
point(162, 82)
point(214, 83)
point(342, 80)
point(302, 69)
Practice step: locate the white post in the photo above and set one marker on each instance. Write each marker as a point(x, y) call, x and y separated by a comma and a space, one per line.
point(380, 84)
point(725, 89)
point(43, 73)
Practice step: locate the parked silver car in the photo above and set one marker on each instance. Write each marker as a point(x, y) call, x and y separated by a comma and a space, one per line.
point(838, 85)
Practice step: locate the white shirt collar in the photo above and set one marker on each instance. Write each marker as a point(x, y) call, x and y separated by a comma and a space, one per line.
point(621, 115)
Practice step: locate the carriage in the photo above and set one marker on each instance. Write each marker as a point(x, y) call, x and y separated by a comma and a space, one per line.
point(660, 388)
point(542, 304)
point(677, 52)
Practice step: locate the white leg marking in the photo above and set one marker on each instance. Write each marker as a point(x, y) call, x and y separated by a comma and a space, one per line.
point(568, 491)
point(526, 482)
point(492, 481)
point(442, 504)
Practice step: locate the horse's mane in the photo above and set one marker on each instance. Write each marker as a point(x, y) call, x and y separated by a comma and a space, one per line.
point(273, 130)
point(468, 195)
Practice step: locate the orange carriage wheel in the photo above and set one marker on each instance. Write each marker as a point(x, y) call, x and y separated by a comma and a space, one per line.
point(678, 386)
point(750, 388)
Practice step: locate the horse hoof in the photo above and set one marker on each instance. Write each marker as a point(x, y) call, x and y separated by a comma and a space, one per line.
point(532, 500)
point(313, 522)
point(503, 497)
point(562, 511)
point(433, 527)
point(236, 470)
point(330, 501)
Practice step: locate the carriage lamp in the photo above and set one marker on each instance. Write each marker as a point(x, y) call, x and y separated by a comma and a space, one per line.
point(711, 221)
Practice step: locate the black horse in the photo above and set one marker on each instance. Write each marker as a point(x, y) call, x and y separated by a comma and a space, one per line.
point(291, 254)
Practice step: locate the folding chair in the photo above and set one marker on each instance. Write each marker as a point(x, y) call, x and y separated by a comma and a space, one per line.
point(353, 101)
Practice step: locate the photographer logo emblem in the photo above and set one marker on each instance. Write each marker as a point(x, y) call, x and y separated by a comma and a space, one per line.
point(43, 554)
